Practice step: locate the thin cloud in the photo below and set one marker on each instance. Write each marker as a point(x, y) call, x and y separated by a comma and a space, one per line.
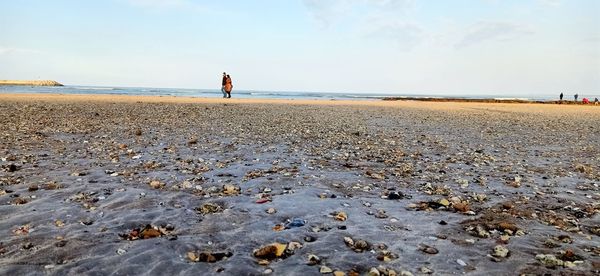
point(326, 12)
point(160, 5)
point(550, 2)
point(9, 51)
point(492, 31)
point(406, 35)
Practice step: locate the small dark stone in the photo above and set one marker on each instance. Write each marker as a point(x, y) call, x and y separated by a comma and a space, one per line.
point(428, 249)
point(28, 246)
point(443, 222)
point(342, 227)
point(310, 239)
point(60, 243)
point(12, 168)
point(395, 195)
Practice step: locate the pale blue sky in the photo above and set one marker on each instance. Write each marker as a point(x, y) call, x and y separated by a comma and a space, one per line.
point(527, 47)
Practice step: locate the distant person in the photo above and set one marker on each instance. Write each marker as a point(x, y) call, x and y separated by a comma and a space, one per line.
point(561, 96)
point(595, 101)
point(223, 83)
point(586, 101)
point(228, 86)
point(576, 96)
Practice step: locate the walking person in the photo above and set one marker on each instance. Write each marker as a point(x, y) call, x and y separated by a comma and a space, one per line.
point(595, 101)
point(228, 86)
point(561, 96)
point(223, 83)
point(576, 96)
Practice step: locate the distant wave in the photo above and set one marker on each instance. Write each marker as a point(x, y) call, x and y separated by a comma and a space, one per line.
point(95, 88)
point(512, 99)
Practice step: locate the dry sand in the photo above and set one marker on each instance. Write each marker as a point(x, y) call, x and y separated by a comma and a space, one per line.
point(417, 187)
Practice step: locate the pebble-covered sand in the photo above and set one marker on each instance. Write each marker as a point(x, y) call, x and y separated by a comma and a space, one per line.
point(120, 185)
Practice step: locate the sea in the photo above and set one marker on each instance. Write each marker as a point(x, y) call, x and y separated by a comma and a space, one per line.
point(216, 93)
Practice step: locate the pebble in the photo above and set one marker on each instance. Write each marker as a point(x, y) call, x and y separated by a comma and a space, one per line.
point(373, 272)
point(209, 208)
point(341, 216)
point(310, 239)
point(121, 251)
point(313, 259)
point(500, 251)
point(425, 270)
point(271, 211)
point(395, 196)
point(429, 249)
point(461, 262)
point(295, 223)
point(155, 184)
point(325, 270)
point(271, 251)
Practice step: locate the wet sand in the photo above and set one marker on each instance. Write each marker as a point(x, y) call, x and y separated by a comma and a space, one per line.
point(124, 185)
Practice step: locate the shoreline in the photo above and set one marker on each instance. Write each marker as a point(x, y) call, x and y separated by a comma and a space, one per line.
point(486, 100)
point(387, 101)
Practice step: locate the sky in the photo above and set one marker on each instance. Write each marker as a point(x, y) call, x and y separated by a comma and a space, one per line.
point(500, 47)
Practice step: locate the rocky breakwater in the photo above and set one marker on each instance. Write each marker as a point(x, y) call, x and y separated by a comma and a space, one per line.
point(30, 82)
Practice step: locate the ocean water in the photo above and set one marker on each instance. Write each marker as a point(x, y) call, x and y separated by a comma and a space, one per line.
point(216, 93)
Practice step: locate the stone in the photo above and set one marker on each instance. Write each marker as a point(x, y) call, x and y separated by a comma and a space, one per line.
point(341, 216)
point(425, 270)
point(271, 211)
point(444, 202)
point(229, 189)
point(313, 259)
point(209, 208)
point(461, 207)
point(505, 225)
point(310, 239)
point(325, 270)
point(155, 184)
point(428, 249)
point(150, 233)
point(373, 272)
point(551, 261)
point(500, 251)
point(271, 251)
point(395, 195)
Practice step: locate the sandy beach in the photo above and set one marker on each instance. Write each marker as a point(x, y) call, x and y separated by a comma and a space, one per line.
point(130, 185)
